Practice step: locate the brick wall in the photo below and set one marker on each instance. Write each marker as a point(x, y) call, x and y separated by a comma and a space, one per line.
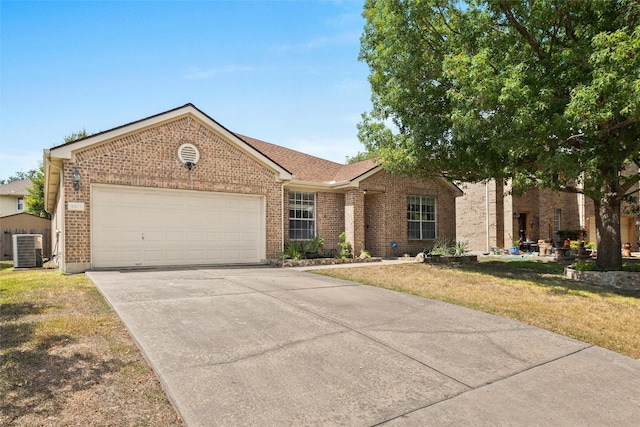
point(149, 159)
point(330, 214)
point(375, 214)
point(374, 209)
point(535, 207)
point(479, 200)
point(387, 194)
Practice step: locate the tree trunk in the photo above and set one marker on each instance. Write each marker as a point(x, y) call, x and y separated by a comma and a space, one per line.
point(609, 242)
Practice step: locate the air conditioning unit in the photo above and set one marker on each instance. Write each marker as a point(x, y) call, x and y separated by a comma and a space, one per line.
point(27, 250)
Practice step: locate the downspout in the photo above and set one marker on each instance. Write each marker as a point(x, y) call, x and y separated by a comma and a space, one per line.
point(582, 211)
point(486, 213)
point(282, 215)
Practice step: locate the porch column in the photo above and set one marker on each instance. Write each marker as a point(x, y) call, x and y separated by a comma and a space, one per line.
point(354, 219)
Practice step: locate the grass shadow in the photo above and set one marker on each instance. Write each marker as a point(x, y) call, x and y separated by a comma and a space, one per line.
point(548, 274)
point(13, 311)
point(32, 380)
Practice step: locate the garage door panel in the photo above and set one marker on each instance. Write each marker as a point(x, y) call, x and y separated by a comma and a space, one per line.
point(155, 236)
point(130, 258)
point(175, 257)
point(174, 236)
point(131, 236)
point(134, 226)
point(153, 255)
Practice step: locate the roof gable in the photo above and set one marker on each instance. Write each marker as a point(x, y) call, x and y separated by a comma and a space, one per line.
point(55, 156)
point(67, 150)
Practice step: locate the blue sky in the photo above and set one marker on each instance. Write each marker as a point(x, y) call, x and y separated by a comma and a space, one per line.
point(282, 71)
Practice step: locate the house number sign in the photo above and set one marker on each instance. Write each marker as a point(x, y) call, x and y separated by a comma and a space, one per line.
point(75, 206)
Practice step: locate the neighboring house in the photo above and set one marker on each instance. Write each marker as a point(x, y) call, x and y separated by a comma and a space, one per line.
point(23, 223)
point(178, 188)
point(489, 216)
point(12, 196)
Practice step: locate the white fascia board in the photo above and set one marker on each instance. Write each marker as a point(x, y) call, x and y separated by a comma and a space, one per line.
point(451, 186)
point(67, 151)
point(314, 186)
point(356, 182)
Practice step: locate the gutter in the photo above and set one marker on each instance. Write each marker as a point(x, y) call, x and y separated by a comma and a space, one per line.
point(48, 163)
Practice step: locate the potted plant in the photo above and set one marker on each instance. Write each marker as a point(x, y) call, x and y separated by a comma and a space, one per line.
point(515, 247)
point(314, 247)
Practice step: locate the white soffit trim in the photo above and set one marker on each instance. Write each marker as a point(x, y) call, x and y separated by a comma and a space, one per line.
point(451, 186)
point(356, 182)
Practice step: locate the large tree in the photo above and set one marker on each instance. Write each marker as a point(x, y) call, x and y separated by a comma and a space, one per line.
point(543, 92)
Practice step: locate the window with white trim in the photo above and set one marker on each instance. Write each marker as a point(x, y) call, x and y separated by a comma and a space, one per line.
point(421, 218)
point(20, 204)
point(302, 215)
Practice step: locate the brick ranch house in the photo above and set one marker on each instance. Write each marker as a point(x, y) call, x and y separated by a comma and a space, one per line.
point(178, 189)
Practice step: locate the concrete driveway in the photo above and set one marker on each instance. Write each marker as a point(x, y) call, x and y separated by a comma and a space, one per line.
point(266, 347)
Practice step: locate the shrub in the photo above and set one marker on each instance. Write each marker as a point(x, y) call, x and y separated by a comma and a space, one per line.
point(298, 249)
point(345, 247)
point(444, 247)
point(441, 247)
point(365, 254)
point(460, 248)
point(293, 250)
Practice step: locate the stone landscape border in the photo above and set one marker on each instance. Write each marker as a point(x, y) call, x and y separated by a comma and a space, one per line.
point(625, 280)
point(450, 259)
point(320, 261)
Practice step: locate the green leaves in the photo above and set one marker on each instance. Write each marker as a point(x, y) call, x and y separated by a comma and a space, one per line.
point(544, 92)
point(483, 89)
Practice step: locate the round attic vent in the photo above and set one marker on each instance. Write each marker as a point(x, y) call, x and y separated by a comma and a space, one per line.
point(188, 154)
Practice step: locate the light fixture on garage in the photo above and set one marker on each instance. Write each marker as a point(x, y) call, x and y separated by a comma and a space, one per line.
point(189, 155)
point(75, 177)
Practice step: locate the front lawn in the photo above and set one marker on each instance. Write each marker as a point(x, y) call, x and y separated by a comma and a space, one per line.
point(530, 292)
point(67, 360)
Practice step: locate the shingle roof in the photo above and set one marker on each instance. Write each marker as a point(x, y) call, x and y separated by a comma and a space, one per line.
point(305, 167)
point(16, 188)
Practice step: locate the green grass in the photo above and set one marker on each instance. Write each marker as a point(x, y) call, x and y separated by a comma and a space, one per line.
point(628, 265)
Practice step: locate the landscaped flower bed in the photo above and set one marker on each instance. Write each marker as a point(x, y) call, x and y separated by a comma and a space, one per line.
point(319, 261)
point(450, 259)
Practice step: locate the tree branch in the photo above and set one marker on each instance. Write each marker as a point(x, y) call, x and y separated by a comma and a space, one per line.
point(446, 24)
point(624, 123)
point(574, 140)
point(521, 29)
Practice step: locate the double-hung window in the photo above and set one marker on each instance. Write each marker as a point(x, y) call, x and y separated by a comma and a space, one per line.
point(20, 204)
point(421, 218)
point(302, 215)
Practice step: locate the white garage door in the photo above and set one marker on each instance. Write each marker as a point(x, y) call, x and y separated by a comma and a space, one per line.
point(133, 226)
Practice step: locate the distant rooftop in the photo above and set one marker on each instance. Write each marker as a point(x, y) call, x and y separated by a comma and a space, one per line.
point(16, 188)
